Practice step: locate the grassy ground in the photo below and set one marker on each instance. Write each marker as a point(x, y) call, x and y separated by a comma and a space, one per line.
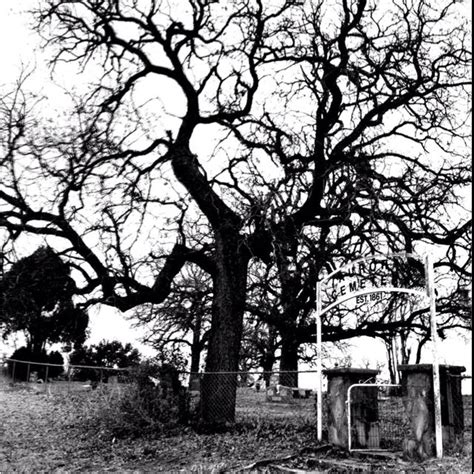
point(56, 433)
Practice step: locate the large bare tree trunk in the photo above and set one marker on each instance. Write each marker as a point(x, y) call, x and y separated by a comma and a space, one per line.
point(289, 361)
point(220, 380)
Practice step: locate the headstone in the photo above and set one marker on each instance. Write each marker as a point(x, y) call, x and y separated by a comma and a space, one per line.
point(33, 377)
point(279, 393)
point(286, 394)
point(113, 379)
point(274, 380)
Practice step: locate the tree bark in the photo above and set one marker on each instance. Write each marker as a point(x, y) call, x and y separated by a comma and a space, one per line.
point(219, 383)
point(196, 344)
point(231, 257)
point(391, 364)
point(196, 351)
point(267, 373)
point(269, 358)
point(289, 361)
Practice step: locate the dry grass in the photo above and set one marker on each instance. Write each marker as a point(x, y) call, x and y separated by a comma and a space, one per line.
point(60, 433)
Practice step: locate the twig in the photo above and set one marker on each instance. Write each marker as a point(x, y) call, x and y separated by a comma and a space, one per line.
point(266, 462)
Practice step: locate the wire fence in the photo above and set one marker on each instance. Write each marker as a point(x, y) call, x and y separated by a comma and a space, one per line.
point(255, 398)
point(60, 378)
point(251, 396)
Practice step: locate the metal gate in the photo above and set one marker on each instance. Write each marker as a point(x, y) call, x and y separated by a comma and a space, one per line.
point(375, 417)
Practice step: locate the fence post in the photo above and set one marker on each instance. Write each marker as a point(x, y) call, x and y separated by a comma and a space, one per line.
point(68, 379)
point(46, 378)
point(28, 372)
point(13, 371)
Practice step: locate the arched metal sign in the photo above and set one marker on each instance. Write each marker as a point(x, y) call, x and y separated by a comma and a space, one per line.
point(361, 278)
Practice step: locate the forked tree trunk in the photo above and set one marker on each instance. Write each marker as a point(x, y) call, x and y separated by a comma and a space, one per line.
point(219, 384)
point(231, 256)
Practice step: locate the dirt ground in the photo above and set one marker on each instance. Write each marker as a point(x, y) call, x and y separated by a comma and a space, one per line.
point(39, 432)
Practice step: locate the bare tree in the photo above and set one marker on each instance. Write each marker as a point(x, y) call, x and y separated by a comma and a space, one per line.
point(183, 319)
point(353, 113)
point(355, 170)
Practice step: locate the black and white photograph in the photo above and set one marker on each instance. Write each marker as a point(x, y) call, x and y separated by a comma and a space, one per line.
point(235, 236)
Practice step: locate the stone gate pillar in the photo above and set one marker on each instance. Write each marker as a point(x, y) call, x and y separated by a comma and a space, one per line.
point(364, 414)
point(418, 400)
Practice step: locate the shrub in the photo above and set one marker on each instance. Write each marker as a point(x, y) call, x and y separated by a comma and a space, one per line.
point(23, 372)
point(153, 401)
point(160, 391)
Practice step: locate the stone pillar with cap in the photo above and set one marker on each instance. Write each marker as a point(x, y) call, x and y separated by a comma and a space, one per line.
point(364, 409)
point(418, 399)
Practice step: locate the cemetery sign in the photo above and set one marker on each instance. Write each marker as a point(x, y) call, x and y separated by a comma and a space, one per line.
point(366, 279)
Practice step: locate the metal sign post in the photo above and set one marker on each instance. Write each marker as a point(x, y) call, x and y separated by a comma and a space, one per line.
point(319, 388)
point(434, 338)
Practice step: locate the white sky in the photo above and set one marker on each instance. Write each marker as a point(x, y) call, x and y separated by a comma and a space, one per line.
point(17, 47)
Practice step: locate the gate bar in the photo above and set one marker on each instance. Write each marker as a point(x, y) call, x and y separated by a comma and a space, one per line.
point(348, 403)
